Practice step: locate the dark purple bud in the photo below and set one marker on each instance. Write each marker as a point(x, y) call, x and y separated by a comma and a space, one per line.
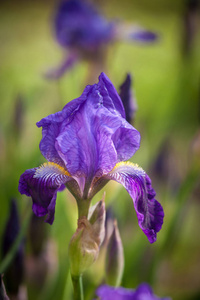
point(108, 224)
point(128, 99)
point(14, 273)
point(114, 258)
point(3, 295)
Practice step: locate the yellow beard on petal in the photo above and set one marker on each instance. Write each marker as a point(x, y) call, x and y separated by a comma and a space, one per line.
point(52, 166)
point(127, 163)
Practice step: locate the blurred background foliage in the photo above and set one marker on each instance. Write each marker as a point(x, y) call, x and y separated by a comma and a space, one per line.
point(166, 84)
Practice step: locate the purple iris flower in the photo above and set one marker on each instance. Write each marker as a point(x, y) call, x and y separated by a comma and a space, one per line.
point(86, 145)
point(143, 292)
point(84, 32)
point(79, 25)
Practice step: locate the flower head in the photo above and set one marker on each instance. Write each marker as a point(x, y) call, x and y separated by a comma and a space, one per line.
point(86, 145)
point(78, 25)
point(84, 33)
point(143, 292)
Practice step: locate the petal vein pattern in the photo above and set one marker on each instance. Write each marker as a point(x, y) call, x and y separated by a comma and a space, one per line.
point(52, 173)
point(42, 185)
point(149, 211)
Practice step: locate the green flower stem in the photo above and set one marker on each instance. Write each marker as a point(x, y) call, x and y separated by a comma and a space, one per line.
point(78, 287)
point(11, 254)
point(83, 207)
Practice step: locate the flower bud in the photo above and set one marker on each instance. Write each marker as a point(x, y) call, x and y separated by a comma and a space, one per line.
point(85, 243)
point(15, 272)
point(114, 258)
point(128, 99)
point(83, 249)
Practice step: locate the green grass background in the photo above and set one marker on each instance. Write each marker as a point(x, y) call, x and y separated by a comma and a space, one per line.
point(166, 85)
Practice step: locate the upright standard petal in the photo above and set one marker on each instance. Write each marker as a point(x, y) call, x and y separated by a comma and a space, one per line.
point(149, 211)
point(52, 125)
point(111, 99)
point(90, 135)
point(42, 185)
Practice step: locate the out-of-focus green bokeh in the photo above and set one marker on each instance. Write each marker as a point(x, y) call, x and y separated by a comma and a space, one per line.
point(166, 85)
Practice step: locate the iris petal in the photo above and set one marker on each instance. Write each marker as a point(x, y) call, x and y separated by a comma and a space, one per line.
point(126, 140)
point(42, 185)
point(111, 99)
point(65, 66)
point(149, 211)
point(96, 136)
point(52, 125)
point(133, 32)
point(143, 291)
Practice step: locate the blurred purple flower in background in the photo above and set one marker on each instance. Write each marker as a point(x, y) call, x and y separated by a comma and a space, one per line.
point(78, 25)
point(143, 292)
point(87, 144)
point(84, 32)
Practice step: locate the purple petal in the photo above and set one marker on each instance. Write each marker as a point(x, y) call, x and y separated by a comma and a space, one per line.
point(90, 135)
point(131, 32)
point(111, 99)
point(61, 188)
point(79, 25)
point(143, 292)
point(51, 126)
point(66, 65)
point(149, 211)
point(144, 36)
point(126, 140)
point(97, 137)
point(85, 145)
point(106, 292)
point(42, 185)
